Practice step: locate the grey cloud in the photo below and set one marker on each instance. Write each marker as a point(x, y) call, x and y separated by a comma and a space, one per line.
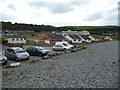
point(112, 18)
point(12, 7)
point(6, 17)
point(119, 2)
point(94, 17)
point(56, 7)
point(61, 8)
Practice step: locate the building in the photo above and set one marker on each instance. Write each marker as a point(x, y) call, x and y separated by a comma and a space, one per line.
point(17, 32)
point(107, 39)
point(52, 38)
point(84, 32)
point(74, 38)
point(85, 38)
point(16, 40)
point(69, 32)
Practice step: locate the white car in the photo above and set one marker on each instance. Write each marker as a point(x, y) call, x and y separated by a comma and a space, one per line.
point(61, 47)
point(16, 53)
point(64, 44)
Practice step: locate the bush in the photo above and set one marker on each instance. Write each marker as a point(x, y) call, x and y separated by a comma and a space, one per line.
point(5, 42)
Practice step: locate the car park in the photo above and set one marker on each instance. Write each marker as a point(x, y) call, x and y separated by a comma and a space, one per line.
point(3, 59)
point(16, 53)
point(37, 51)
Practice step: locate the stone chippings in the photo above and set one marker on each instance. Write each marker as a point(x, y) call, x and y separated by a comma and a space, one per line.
point(74, 70)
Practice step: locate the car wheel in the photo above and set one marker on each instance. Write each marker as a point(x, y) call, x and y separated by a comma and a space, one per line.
point(16, 59)
point(28, 58)
point(64, 49)
point(4, 63)
point(53, 49)
point(40, 54)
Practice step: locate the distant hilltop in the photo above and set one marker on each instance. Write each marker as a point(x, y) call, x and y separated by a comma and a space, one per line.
point(49, 28)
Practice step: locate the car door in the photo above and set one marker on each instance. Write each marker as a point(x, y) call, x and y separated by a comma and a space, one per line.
point(29, 50)
point(57, 47)
point(10, 53)
point(35, 51)
point(61, 47)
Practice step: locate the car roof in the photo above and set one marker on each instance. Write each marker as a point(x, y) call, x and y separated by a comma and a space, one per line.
point(35, 46)
point(14, 47)
point(62, 42)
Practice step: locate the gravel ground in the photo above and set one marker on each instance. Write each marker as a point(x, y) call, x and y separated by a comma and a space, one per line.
point(94, 67)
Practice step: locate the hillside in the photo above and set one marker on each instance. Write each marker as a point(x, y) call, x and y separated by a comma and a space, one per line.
point(49, 28)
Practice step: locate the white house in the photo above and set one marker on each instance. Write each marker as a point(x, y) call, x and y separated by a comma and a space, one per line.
point(85, 38)
point(69, 32)
point(108, 39)
point(74, 38)
point(95, 38)
point(84, 32)
point(17, 40)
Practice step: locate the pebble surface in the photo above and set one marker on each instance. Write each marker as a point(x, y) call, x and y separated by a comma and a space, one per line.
point(94, 67)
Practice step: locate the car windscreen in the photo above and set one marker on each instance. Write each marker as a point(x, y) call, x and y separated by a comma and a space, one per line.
point(40, 48)
point(1, 56)
point(19, 50)
point(65, 44)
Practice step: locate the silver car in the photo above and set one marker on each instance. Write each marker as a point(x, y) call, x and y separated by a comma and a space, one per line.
point(3, 59)
point(16, 53)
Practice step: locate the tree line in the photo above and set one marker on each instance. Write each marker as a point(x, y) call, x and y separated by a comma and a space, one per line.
point(49, 28)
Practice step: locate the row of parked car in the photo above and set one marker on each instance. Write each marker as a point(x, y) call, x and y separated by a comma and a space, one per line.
point(17, 53)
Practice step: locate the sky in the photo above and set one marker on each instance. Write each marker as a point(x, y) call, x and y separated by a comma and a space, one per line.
point(60, 12)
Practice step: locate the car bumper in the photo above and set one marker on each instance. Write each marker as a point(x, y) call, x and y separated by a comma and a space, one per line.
point(24, 58)
point(3, 62)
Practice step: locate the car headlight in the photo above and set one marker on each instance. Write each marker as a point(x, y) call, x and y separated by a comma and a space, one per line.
point(5, 58)
point(43, 51)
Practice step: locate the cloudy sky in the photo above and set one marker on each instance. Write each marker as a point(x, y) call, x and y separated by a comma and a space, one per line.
point(60, 12)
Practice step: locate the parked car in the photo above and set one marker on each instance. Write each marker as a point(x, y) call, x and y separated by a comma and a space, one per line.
point(16, 53)
point(37, 51)
point(66, 44)
point(61, 47)
point(3, 59)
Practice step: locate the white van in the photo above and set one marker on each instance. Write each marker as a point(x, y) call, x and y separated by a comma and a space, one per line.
point(65, 44)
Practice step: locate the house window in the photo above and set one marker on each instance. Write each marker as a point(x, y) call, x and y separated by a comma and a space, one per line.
point(12, 39)
point(17, 39)
point(21, 39)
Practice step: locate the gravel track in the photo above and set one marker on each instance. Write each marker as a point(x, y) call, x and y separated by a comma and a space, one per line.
point(94, 67)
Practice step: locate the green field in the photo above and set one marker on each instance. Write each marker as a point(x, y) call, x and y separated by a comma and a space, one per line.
point(28, 37)
point(91, 27)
